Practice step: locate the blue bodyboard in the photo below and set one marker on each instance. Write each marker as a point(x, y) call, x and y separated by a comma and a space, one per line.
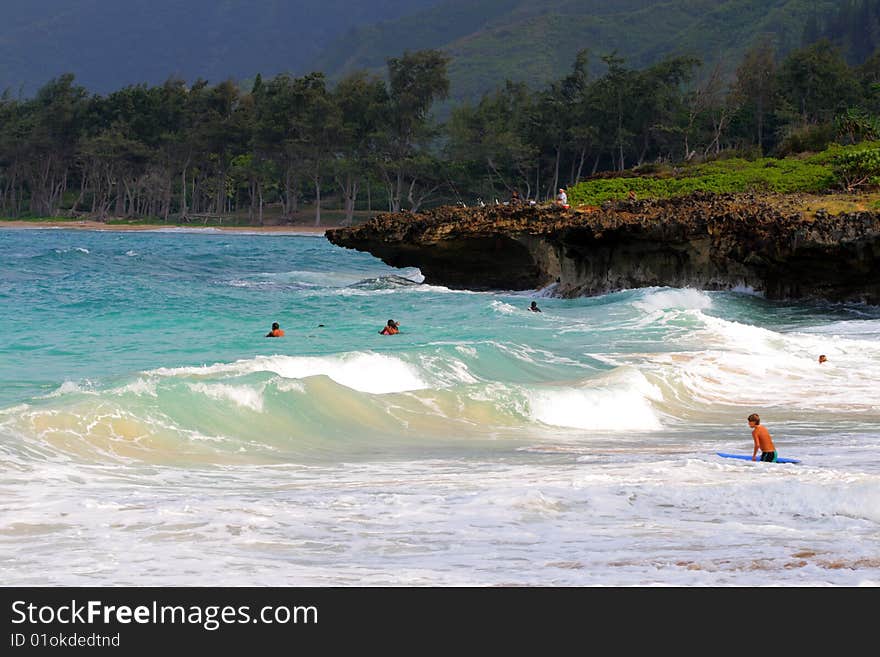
point(746, 457)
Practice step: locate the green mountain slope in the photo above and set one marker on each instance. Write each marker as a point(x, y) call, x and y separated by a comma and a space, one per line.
point(108, 44)
point(536, 40)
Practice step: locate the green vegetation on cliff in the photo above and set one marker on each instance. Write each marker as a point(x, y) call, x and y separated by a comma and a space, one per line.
point(833, 169)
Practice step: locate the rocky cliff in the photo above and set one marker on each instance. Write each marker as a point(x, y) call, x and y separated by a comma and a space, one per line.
point(703, 241)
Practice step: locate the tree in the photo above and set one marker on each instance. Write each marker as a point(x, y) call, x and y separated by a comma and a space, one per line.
point(55, 122)
point(360, 101)
point(708, 114)
point(754, 88)
point(555, 112)
point(416, 80)
point(13, 154)
point(657, 99)
point(816, 83)
point(496, 136)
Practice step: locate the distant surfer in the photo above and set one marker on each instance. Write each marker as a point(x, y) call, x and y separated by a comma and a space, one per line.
point(822, 359)
point(276, 332)
point(762, 440)
point(391, 328)
point(534, 307)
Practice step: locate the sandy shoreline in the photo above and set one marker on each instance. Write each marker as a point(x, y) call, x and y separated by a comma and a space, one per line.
point(97, 225)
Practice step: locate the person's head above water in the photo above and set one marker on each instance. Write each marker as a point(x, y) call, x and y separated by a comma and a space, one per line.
point(275, 326)
point(534, 304)
point(822, 358)
point(390, 328)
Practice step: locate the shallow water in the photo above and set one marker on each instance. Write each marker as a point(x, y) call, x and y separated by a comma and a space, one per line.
point(150, 434)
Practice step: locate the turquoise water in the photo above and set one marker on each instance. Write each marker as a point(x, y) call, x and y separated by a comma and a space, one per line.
point(150, 434)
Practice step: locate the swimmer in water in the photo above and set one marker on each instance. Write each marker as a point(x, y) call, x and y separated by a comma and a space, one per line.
point(391, 328)
point(276, 332)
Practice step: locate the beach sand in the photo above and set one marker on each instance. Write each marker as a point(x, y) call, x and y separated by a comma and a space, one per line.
point(97, 225)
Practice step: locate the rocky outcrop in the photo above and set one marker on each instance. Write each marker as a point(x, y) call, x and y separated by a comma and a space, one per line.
point(706, 241)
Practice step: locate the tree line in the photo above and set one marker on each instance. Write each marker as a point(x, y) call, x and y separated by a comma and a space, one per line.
point(182, 151)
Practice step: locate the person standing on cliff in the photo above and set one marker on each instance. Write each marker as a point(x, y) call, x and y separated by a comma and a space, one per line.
point(562, 199)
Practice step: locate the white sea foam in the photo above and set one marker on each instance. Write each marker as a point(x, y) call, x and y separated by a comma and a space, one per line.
point(619, 402)
point(505, 308)
point(141, 386)
point(668, 299)
point(855, 329)
point(69, 387)
point(78, 249)
point(445, 371)
point(243, 396)
point(743, 365)
point(363, 371)
point(286, 385)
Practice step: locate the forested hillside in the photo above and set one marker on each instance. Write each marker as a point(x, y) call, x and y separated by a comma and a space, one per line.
point(534, 41)
point(853, 26)
point(108, 44)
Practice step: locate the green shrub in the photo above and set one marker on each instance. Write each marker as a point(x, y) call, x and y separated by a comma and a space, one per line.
point(859, 168)
point(721, 176)
point(809, 138)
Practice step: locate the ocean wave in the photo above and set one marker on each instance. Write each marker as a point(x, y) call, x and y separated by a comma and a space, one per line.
point(670, 298)
point(748, 366)
point(363, 371)
point(621, 401)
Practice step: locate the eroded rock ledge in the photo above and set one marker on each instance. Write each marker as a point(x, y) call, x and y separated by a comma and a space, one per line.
point(704, 241)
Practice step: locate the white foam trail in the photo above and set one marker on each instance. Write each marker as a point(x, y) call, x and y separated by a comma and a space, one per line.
point(742, 365)
point(505, 308)
point(681, 299)
point(71, 249)
point(445, 371)
point(854, 329)
point(621, 402)
point(363, 371)
point(286, 385)
point(531, 355)
point(14, 410)
point(70, 387)
point(240, 395)
point(140, 387)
